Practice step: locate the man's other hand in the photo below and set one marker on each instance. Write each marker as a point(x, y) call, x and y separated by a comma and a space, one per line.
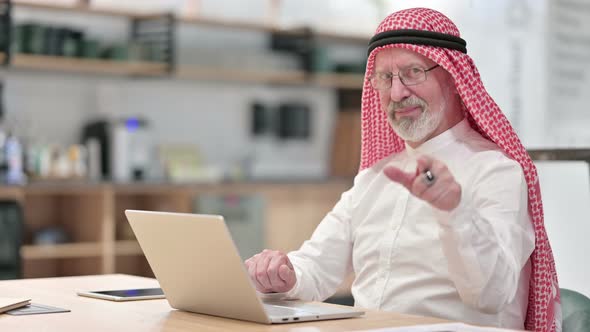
point(271, 271)
point(443, 192)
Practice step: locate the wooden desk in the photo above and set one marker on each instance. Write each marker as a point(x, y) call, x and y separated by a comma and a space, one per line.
point(151, 315)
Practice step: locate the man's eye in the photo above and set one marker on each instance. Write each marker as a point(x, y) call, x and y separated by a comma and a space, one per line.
point(414, 71)
point(384, 76)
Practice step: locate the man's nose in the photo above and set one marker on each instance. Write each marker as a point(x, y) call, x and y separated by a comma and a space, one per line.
point(398, 90)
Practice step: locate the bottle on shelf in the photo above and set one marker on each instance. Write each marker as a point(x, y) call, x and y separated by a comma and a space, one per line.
point(14, 160)
point(11, 150)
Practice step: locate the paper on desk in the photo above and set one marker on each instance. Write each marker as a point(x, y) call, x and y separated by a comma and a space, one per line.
point(443, 327)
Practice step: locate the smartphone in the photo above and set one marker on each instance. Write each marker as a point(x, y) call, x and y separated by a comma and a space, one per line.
point(126, 294)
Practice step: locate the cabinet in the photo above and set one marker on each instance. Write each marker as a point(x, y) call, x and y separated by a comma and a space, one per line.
point(100, 240)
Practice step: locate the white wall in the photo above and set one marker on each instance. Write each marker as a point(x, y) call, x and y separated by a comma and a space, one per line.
point(506, 39)
point(568, 80)
point(565, 188)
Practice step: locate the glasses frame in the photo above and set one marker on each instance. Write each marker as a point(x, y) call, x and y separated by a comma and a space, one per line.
point(401, 78)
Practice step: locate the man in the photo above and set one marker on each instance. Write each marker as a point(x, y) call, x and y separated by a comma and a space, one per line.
point(445, 218)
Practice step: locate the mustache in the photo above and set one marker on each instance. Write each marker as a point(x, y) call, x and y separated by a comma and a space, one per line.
point(408, 102)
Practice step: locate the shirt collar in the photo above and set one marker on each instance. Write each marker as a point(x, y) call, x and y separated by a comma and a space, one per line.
point(438, 142)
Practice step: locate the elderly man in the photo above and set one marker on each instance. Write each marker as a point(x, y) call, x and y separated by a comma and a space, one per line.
point(445, 218)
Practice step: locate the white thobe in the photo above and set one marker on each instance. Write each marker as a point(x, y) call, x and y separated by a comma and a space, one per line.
point(470, 264)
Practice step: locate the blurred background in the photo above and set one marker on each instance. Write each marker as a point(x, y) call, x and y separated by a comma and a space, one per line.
point(249, 109)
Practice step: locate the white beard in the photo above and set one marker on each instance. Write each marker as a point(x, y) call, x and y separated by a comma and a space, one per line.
point(414, 130)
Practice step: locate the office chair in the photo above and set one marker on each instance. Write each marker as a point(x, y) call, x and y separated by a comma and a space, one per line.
point(575, 310)
point(11, 234)
point(565, 189)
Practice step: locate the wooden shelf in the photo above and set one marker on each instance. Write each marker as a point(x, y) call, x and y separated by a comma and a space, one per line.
point(89, 66)
point(63, 188)
point(67, 250)
point(12, 192)
point(127, 248)
point(142, 68)
point(92, 66)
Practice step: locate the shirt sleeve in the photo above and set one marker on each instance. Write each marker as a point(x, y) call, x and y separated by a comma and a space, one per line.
point(323, 261)
point(489, 237)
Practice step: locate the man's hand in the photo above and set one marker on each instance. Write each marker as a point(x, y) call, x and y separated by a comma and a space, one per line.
point(443, 192)
point(271, 271)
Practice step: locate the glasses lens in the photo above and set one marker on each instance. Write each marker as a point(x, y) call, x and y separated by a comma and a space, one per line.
point(381, 81)
point(413, 75)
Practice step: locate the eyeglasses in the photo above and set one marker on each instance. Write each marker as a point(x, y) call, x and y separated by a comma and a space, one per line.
point(408, 76)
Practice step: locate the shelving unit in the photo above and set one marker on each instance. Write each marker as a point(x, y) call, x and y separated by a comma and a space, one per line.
point(145, 28)
point(88, 66)
point(101, 241)
point(184, 72)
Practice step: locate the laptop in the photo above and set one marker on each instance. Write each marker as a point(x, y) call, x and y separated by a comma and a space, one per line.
point(200, 270)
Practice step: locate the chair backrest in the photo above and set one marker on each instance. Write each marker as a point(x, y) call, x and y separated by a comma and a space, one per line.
point(11, 235)
point(575, 309)
point(565, 188)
